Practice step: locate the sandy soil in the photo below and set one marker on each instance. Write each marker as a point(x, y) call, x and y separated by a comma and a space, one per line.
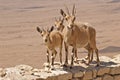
point(20, 43)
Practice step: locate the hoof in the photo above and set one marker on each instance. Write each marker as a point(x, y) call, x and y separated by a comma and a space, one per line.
point(86, 57)
point(65, 65)
point(52, 68)
point(61, 64)
point(88, 63)
point(71, 67)
point(46, 65)
point(98, 65)
point(75, 59)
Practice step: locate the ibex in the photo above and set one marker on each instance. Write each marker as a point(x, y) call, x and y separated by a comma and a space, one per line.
point(53, 39)
point(60, 26)
point(78, 35)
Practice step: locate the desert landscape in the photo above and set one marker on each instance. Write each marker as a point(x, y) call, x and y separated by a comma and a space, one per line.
point(20, 43)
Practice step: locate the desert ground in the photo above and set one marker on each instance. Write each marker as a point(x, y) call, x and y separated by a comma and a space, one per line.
point(20, 43)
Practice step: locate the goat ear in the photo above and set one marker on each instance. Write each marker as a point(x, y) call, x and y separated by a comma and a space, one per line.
point(51, 29)
point(62, 13)
point(62, 20)
point(74, 18)
point(39, 30)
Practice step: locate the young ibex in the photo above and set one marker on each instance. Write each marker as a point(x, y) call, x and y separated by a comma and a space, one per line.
point(53, 39)
point(78, 35)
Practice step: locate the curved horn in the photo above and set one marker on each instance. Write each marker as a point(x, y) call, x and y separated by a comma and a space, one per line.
point(67, 10)
point(73, 11)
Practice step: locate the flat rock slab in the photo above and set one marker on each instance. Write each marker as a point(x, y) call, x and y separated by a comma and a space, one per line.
point(108, 70)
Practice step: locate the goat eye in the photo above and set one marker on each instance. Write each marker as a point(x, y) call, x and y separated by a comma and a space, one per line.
point(60, 23)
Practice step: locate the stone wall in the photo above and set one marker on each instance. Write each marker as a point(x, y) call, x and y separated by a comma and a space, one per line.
point(108, 70)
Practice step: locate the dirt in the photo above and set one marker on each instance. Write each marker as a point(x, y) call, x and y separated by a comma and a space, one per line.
point(20, 43)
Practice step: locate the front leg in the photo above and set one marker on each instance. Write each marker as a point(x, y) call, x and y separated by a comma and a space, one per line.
point(54, 52)
point(66, 54)
point(60, 55)
point(48, 61)
point(72, 57)
point(76, 57)
point(91, 56)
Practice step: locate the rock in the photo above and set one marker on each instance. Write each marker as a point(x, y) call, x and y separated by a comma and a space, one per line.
point(105, 58)
point(46, 65)
point(94, 73)
point(98, 78)
point(76, 72)
point(28, 73)
point(1, 78)
point(107, 77)
point(13, 74)
point(115, 70)
point(5, 79)
point(116, 59)
point(24, 67)
point(36, 70)
point(106, 71)
point(88, 75)
point(2, 72)
point(36, 74)
point(31, 77)
point(103, 70)
point(117, 77)
point(45, 76)
point(63, 75)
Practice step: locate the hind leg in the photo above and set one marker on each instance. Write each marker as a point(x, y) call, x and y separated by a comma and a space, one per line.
point(54, 52)
point(60, 54)
point(88, 49)
point(91, 56)
point(97, 55)
point(48, 61)
point(66, 54)
point(76, 57)
point(72, 57)
point(90, 53)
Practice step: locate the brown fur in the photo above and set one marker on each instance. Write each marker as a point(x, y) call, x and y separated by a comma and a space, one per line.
point(53, 39)
point(78, 35)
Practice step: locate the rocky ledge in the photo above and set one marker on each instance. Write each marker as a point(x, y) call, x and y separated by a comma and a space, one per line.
point(108, 70)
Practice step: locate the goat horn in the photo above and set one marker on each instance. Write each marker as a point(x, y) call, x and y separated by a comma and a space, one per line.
point(67, 10)
point(73, 11)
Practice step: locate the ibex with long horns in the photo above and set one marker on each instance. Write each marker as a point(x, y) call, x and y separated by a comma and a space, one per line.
point(78, 35)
